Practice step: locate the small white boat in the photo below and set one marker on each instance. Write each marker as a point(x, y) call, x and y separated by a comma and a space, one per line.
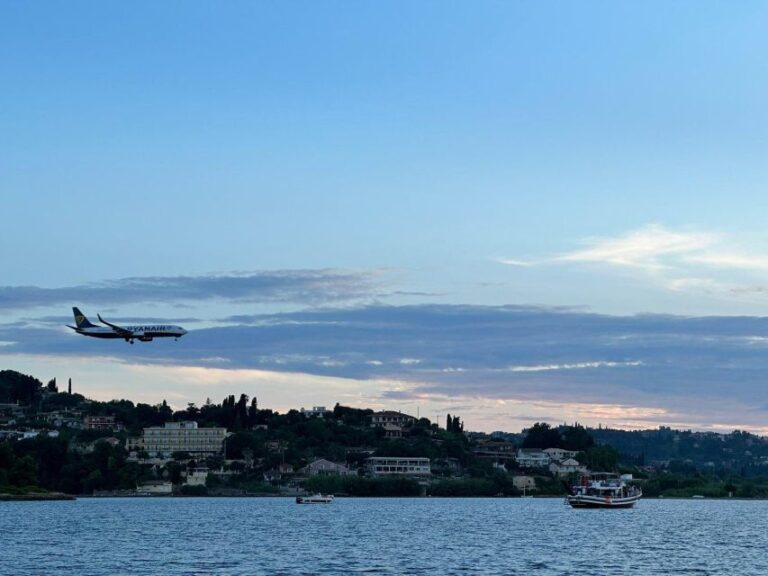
point(603, 491)
point(315, 499)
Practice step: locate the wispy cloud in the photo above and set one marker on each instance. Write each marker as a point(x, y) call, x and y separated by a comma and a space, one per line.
point(648, 248)
point(686, 260)
point(515, 262)
point(294, 286)
point(575, 366)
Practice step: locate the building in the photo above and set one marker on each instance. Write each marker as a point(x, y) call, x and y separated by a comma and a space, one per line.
point(323, 467)
point(391, 417)
point(524, 482)
point(276, 474)
point(567, 467)
point(12, 435)
point(163, 441)
point(10, 413)
point(532, 458)
point(559, 454)
point(397, 466)
point(59, 418)
point(316, 412)
point(155, 487)
point(495, 450)
point(197, 477)
point(392, 422)
point(101, 423)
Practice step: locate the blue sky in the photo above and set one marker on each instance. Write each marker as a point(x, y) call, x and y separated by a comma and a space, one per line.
point(214, 163)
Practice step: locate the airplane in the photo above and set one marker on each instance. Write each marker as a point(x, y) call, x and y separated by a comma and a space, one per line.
point(128, 333)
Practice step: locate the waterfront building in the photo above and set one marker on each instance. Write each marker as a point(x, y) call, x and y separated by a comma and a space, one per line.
point(197, 476)
point(524, 482)
point(155, 487)
point(397, 466)
point(163, 441)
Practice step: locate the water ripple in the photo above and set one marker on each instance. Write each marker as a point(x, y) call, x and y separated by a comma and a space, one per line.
point(504, 537)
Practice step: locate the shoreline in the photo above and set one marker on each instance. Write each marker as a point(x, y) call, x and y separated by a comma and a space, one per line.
point(36, 497)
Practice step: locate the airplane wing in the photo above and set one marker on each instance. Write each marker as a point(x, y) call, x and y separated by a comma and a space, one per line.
point(116, 328)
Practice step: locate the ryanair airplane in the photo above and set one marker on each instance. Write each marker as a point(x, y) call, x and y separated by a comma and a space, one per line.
point(127, 333)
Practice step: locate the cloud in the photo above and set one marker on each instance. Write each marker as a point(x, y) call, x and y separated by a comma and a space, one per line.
point(292, 286)
point(495, 348)
point(683, 261)
point(690, 371)
point(577, 366)
point(647, 248)
point(514, 262)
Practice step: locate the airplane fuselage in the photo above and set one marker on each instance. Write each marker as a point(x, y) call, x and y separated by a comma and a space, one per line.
point(141, 333)
point(145, 333)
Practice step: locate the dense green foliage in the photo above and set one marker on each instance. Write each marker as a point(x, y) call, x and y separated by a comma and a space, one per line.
point(360, 486)
point(266, 450)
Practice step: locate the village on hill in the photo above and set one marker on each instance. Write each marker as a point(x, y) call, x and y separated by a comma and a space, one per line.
point(57, 440)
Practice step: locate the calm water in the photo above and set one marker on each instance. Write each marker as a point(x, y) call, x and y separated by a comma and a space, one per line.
point(380, 536)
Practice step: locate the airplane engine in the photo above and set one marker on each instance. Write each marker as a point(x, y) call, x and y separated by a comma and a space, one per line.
point(145, 338)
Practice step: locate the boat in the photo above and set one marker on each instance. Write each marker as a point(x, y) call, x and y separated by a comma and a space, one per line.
point(603, 490)
point(315, 499)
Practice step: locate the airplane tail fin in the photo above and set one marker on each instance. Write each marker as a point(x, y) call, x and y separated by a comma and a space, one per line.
point(80, 320)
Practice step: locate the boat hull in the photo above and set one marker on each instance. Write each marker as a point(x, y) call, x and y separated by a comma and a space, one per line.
point(583, 501)
point(314, 499)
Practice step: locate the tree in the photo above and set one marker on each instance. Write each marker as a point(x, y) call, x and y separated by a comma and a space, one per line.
point(17, 387)
point(165, 411)
point(542, 435)
point(600, 458)
point(577, 438)
point(51, 387)
point(24, 472)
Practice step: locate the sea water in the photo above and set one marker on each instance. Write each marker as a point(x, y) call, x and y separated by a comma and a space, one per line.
point(494, 536)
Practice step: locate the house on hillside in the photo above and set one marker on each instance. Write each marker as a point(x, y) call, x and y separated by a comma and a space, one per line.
point(532, 458)
point(559, 454)
point(392, 422)
point(567, 467)
point(323, 467)
point(316, 412)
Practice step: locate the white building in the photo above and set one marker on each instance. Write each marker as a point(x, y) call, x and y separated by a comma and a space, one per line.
point(559, 454)
point(163, 441)
point(155, 487)
point(101, 423)
point(532, 458)
point(397, 466)
point(391, 417)
point(323, 467)
point(392, 422)
point(197, 477)
point(316, 412)
point(566, 467)
point(524, 482)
